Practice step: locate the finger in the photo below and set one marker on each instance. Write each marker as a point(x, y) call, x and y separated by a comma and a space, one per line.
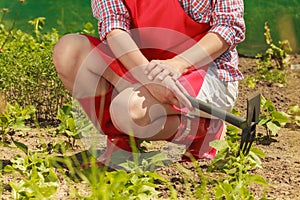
point(175, 75)
point(184, 101)
point(155, 72)
point(171, 98)
point(179, 92)
point(182, 96)
point(151, 66)
point(187, 103)
point(174, 101)
point(162, 75)
point(180, 86)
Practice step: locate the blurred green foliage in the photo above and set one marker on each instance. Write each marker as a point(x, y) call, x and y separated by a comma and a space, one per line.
point(70, 16)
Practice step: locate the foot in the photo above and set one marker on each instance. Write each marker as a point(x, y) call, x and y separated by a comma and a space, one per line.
point(119, 149)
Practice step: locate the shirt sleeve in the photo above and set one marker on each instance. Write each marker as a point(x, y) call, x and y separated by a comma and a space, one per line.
point(228, 21)
point(111, 14)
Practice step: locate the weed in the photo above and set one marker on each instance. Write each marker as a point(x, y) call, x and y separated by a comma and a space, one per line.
point(271, 66)
point(271, 119)
point(73, 123)
point(14, 118)
point(38, 179)
point(235, 183)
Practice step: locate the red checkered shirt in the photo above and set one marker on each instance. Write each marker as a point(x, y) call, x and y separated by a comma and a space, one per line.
point(224, 16)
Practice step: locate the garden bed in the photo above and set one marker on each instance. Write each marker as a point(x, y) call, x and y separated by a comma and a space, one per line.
point(281, 165)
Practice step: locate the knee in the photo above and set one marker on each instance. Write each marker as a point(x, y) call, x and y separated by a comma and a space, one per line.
point(67, 53)
point(127, 112)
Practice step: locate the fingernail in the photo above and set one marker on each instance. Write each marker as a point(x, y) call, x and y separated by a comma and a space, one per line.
point(150, 77)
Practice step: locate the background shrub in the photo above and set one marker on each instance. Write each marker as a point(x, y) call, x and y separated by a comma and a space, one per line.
point(27, 74)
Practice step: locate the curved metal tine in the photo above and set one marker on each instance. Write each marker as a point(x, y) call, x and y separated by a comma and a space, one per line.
point(249, 133)
point(248, 144)
point(244, 140)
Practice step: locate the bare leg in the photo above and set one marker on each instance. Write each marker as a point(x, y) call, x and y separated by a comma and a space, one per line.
point(83, 72)
point(135, 111)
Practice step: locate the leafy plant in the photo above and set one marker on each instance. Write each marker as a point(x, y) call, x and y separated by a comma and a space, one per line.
point(272, 65)
point(14, 118)
point(8, 33)
point(73, 123)
point(38, 180)
point(131, 183)
point(37, 24)
point(27, 74)
point(148, 162)
point(271, 119)
point(88, 28)
point(123, 185)
point(235, 183)
point(275, 56)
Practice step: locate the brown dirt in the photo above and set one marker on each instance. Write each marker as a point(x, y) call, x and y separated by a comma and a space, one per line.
point(281, 166)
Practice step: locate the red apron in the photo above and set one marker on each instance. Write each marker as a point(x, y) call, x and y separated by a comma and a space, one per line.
point(161, 29)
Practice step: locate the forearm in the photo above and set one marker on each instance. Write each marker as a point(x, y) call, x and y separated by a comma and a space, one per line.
point(126, 51)
point(205, 51)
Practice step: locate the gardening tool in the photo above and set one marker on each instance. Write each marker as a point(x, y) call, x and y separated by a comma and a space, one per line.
point(247, 125)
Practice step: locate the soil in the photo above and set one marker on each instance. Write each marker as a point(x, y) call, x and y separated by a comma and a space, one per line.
point(281, 166)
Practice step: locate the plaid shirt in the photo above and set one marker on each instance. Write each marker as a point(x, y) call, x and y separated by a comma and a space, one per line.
point(225, 18)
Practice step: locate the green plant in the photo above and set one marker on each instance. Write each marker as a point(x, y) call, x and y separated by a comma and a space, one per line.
point(235, 183)
point(275, 56)
point(88, 28)
point(38, 180)
point(73, 123)
point(197, 186)
point(232, 174)
point(271, 65)
point(132, 183)
point(27, 74)
point(123, 185)
point(8, 33)
point(271, 119)
point(37, 24)
point(148, 162)
point(14, 118)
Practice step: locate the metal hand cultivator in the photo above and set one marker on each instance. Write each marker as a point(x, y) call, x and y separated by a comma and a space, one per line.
point(247, 125)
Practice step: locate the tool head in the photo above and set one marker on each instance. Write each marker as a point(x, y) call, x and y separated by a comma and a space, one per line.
point(249, 132)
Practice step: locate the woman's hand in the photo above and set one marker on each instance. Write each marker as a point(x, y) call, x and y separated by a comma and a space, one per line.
point(164, 84)
point(169, 91)
point(163, 68)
